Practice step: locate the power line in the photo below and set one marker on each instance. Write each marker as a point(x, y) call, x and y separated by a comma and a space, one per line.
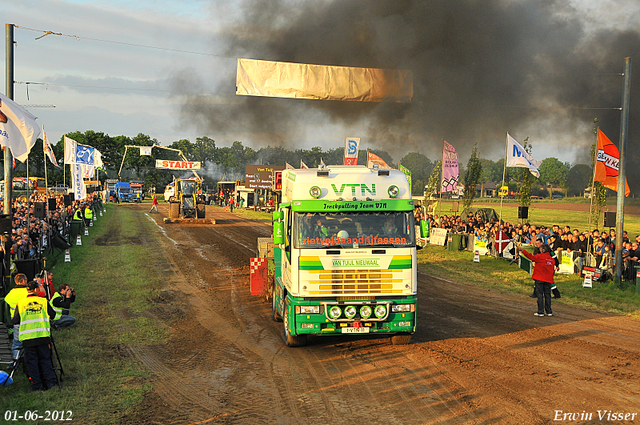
point(46, 33)
point(87, 86)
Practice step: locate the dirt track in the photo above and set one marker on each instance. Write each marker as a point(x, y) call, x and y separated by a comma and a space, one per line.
point(479, 356)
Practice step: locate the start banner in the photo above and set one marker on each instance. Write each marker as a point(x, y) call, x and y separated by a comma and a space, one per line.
point(164, 164)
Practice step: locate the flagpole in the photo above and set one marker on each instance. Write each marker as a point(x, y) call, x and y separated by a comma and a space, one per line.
point(593, 178)
point(64, 167)
point(441, 179)
point(622, 178)
point(504, 170)
point(44, 157)
point(28, 200)
point(8, 155)
point(592, 192)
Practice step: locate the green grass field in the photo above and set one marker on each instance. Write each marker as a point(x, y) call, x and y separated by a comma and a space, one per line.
point(115, 276)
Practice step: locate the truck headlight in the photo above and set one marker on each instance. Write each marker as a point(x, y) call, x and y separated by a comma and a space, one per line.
point(401, 308)
point(315, 191)
point(335, 312)
point(350, 312)
point(365, 311)
point(309, 309)
point(393, 191)
point(380, 311)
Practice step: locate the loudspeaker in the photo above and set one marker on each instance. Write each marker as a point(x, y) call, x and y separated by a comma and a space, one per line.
point(60, 242)
point(29, 267)
point(38, 210)
point(6, 224)
point(53, 204)
point(523, 212)
point(609, 219)
point(67, 200)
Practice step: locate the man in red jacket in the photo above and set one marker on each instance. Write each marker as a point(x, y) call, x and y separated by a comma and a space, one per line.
point(543, 271)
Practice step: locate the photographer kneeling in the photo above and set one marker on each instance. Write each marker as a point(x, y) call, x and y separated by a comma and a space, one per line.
point(61, 302)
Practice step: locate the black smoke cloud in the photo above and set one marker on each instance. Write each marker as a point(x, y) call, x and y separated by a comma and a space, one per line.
point(480, 69)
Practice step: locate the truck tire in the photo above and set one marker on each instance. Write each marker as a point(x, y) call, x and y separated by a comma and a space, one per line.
point(174, 210)
point(172, 199)
point(402, 339)
point(274, 308)
point(200, 210)
point(291, 340)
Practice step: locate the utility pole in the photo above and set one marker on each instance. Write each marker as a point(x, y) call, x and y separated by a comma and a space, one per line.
point(624, 124)
point(8, 162)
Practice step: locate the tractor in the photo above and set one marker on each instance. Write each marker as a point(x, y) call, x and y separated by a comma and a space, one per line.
point(185, 202)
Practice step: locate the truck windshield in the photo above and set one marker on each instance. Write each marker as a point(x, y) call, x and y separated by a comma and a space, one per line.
point(354, 230)
point(187, 187)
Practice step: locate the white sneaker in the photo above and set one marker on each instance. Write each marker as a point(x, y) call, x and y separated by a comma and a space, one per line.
point(539, 314)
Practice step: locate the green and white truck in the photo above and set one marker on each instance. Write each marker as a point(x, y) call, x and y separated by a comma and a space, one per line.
point(345, 254)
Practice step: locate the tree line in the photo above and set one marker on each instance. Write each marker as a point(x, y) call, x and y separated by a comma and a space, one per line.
point(228, 163)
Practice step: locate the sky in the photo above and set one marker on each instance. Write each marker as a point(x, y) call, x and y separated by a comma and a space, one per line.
point(481, 69)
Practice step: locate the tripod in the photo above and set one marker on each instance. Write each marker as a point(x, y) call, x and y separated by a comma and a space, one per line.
point(58, 370)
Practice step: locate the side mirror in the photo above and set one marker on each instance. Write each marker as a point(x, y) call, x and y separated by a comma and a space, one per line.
point(424, 228)
point(278, 232)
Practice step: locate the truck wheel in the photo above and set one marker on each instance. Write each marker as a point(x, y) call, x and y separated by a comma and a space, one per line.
point(200, 210)
point(172, 199)
point(274, 308)
point(291, 340)
point(402, 339)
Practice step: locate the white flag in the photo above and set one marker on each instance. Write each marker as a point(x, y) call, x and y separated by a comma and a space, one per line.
point(97, 159)
point(518, 157)
point(18, 128)
point(70, 147)
point(303, 166)
point(145, 150)
point(46, 146)
point(288, 166)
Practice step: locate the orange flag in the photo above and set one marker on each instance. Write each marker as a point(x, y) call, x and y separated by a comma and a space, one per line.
point(607, 162)
point(372, 158)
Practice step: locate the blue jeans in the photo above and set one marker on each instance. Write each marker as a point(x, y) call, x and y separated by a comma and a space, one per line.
point(63, 322)
point(17, 344)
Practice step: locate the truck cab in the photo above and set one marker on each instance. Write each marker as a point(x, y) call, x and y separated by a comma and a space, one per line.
point(123, 191)
point(345, 254)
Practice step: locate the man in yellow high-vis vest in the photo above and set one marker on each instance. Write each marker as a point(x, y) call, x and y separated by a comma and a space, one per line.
point(88, 214)
point(13, 297)
point(61, 302)
point(33, 314)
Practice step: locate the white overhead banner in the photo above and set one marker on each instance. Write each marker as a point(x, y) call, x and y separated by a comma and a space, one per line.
point(324, 82)
point(164, 164)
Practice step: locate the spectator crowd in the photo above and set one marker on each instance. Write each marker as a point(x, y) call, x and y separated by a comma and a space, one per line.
point(593, 248)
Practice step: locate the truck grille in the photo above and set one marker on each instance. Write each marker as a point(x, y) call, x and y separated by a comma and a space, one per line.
point(354, 281)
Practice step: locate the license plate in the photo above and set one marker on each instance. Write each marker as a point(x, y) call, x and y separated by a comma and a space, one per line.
point(362, 330)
